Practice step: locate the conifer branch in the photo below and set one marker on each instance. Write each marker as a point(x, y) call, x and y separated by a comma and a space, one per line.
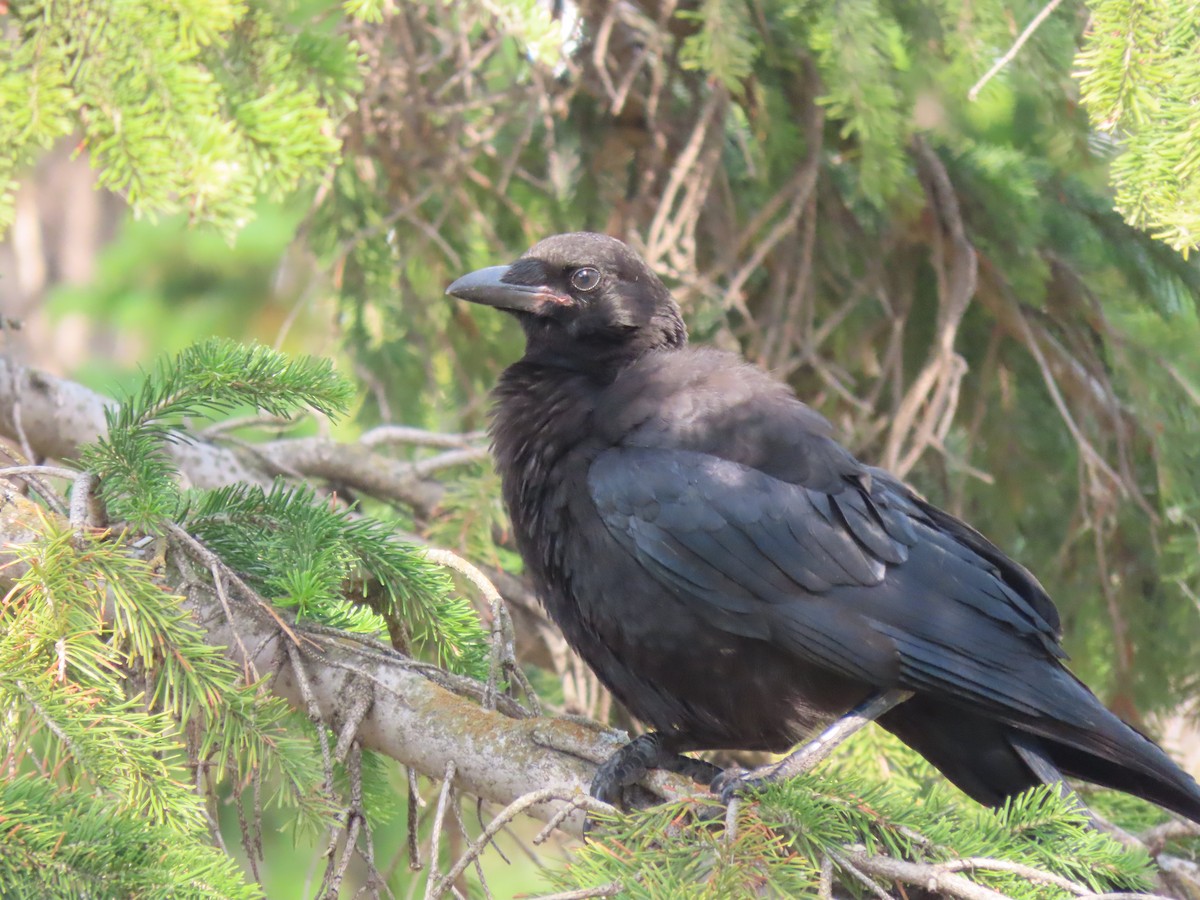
point(413, 720)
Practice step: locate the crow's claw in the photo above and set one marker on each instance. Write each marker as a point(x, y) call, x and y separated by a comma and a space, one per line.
point(734, 781)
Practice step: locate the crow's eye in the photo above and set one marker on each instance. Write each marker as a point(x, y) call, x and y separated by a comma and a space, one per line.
point(585, 279)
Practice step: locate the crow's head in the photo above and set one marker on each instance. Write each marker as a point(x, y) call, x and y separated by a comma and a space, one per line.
point(580, 296)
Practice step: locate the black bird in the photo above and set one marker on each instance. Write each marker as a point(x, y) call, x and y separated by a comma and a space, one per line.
point(738, 579)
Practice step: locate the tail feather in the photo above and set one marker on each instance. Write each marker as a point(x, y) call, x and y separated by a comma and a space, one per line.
point(1167, 785)
point(991, 760)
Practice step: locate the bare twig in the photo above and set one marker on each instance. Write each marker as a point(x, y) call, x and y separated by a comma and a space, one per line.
point(1091, 457)
point(314, 715)
point(825, 885)
point(612, 889)
point(216, 429)
point(930, 877)
point(351, 719)
point(81, 500)
point(510, 812)
point(198, 551)
point(1012, 51)
point(503, 653)
point(556, 821)
point(251, 837)
point(456, 808)
point(249, 676)
point(356, 822)
point(1029, 873)
point(817, 749)
point(426, 467)
point(32, 475)
point(859, 875)
point(18, 424)
point(956, 267)
point(436, 885)
point(687, 171)
point(419, 437)
point(48, 471)
point(414, 805)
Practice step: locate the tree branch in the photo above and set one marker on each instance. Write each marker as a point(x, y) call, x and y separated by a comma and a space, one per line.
point(410, 718)
point(59, 416)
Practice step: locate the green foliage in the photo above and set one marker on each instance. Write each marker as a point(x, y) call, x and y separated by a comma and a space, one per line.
point(472, 519)
point(1140, 75)
point(72, 844)
point(782, 837)
point(137, 477)
point(533, 26)
point(298, 549)
point(668, 851)
point(303, 553)
point(198, 107)
point(93, 713)
point(860, 51)
point(722, 45)
point(102, 673)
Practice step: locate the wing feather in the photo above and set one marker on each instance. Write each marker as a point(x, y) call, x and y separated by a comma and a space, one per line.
point(862, 581)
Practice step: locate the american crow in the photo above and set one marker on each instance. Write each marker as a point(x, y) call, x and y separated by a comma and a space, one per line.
point(738, 580)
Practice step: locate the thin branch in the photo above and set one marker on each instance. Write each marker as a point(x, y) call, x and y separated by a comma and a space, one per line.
point(351, 719)
point(314, 714)
point(356, 821)
point(859, 875)
point(31, 475)
point(251, 837)
point(48, 471)
point(612, 889)
point(18, 424)
point(1157, 837)
point(503, 654)
point(1029, 873)
point(211, 561)
point(436, 885)
point(414, 805)
point(419, 437)
point(558, 818)
point(248, 675)
point(216, 429)
point(426, 467)
point(1008, 57)
point(456, 808)
point(510, 812)
point(1091, 457)
point(932, 878)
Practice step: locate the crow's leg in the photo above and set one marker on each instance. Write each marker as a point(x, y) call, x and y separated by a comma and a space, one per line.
point(1034, 755)
point(732, 781)
point(653, 750)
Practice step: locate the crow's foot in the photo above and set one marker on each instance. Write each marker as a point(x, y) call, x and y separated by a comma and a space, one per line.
point(645, 752)
point(734, 781)
point(631, 763)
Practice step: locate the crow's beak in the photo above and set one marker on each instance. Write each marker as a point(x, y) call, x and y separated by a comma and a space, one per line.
point(487, 287)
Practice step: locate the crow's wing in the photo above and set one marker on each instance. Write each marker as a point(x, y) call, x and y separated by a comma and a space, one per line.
point(866, 581)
